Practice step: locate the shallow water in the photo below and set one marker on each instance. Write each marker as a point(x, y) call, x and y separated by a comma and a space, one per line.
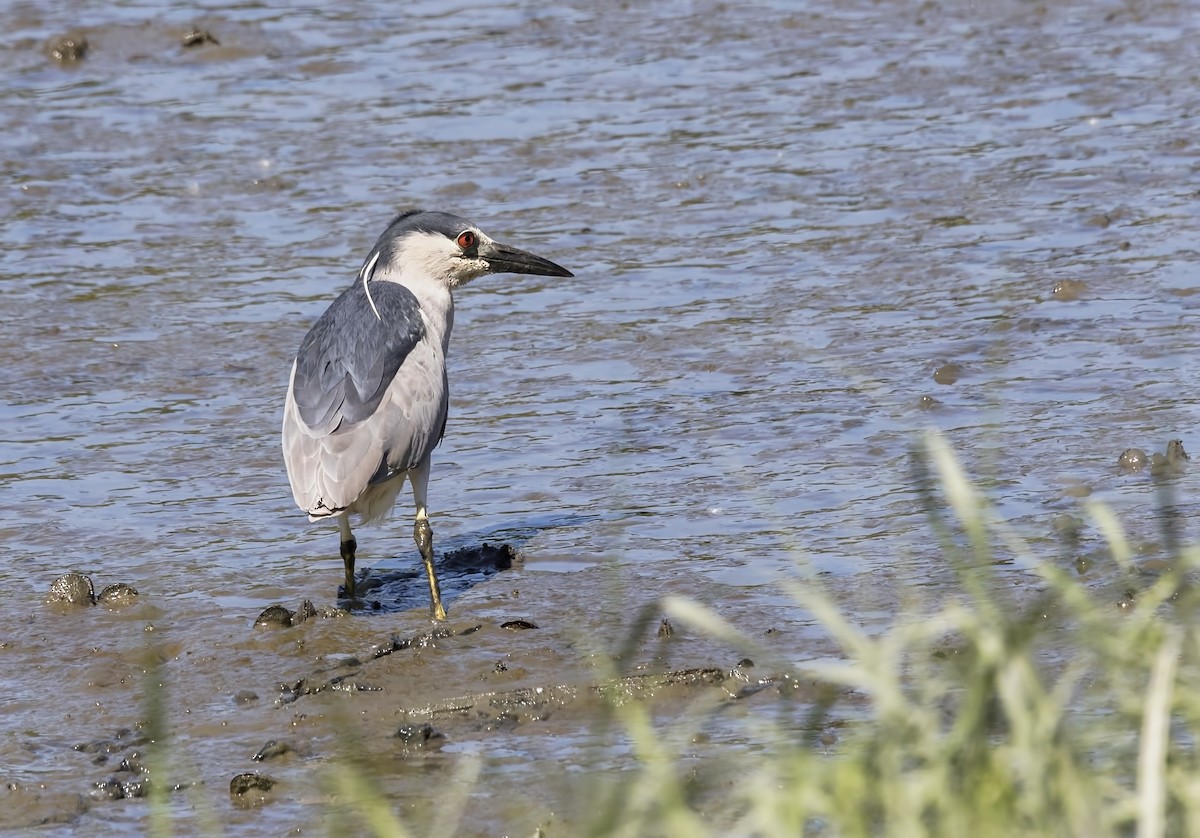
point(785, 219)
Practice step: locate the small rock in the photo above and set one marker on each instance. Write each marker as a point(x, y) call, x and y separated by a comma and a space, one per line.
point(1069, 290)
point(133, 763)
point(196, 37)
point(68, 48)
point(136, 788)
point(1132, 459)
point(307, 612)
point(72, 589)
point(117, 596)
point(110, 789)
point(272, 750)
point(948, 373)
point(248, 790)
point(274, 615)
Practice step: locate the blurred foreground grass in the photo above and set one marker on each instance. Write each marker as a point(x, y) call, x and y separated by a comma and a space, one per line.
point(1069, 715)
point(1065, 714)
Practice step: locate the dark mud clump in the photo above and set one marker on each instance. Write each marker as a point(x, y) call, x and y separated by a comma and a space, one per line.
point(486, 559)
point(518, 625)
point(131, 777)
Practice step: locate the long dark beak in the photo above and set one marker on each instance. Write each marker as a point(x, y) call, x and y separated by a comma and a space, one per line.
point(504, 259)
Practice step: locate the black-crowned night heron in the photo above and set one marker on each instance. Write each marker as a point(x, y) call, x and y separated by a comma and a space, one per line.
point(368, 395)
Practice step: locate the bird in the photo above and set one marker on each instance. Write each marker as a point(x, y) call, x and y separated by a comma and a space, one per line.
point(368, 394)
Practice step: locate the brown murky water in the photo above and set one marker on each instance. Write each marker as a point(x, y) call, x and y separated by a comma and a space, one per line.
point(802, 233)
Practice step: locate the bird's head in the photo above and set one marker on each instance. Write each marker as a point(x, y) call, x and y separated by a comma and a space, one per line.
point(437, 246)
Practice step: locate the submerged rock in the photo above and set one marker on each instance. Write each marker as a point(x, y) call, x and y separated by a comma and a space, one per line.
point(134, 763)
point(948, 373)
point(248, 790)
point(109, 789)
point(272, 750)
point(68, 48)
point(196, 37)
point(1069, 290)
point(421, 737)
point(518, 625)
point(114, 789)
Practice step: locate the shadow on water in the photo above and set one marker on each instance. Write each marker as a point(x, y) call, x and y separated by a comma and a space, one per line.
point(466, 561)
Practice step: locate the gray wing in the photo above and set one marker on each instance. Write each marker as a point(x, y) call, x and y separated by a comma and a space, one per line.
point(367, 397)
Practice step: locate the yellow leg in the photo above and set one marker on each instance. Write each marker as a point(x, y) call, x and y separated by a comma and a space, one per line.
point(423, 535)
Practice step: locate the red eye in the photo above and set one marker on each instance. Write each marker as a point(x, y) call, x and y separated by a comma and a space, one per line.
point(466, 239)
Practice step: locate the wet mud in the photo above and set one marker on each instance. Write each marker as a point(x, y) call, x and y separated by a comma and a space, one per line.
point(397, 691)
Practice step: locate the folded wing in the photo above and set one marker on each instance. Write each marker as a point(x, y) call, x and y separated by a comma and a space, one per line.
point(367, 398)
